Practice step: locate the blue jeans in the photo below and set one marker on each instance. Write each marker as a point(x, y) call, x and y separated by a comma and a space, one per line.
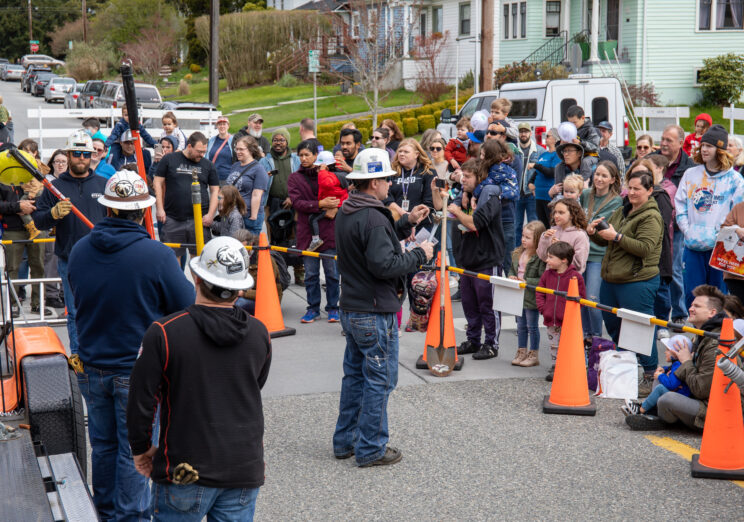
point(525, 204)
point(119, 492)
point(678, 286)
point(509, 235)
point(451, 228)
point(638, 296)
point(591, 318)
point(370, 376)
point(663, 301)
point(173, 502)
point(698, 272)
point(312, 281)
point(253, 225)
point(653, 397)
point(70, 304)
point(527, 324)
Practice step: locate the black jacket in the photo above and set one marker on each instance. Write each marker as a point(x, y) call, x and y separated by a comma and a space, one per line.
point(10, 206)
point(417, 190)
point(83, 193)
point(371, 263)
point(262, 142)
point(206, 366)
point(666, 208)
point(685, 162)
point(482, 249)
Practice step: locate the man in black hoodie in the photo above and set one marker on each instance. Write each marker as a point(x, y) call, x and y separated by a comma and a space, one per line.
point(373, 273)
point(205, 366)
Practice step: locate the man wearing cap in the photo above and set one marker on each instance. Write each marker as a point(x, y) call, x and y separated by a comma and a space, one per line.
point(82, 188)
point(219, 149)
point(373, 272)
point(205, 366)
point(608, 151)
point(254, 128)
point(706, 194)
point(531, 151)
point(125, 153)
point(121, 281)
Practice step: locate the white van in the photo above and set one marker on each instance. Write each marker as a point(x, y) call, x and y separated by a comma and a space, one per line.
point(543, 104)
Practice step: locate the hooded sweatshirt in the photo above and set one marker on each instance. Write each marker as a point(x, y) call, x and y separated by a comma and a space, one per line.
point(207, 366)
point(576, 237)
point(702, 202)
point(551, 306)
point(117, 296)
point(371, 263)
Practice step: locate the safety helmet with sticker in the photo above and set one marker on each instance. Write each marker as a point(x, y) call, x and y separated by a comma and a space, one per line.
point(371, 164)
point(80, 140)
point(126, 190)
point(223, 263)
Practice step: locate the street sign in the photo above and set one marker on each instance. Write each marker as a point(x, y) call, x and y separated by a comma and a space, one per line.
point(34, 47)
point(34, 42)
point(313, 61)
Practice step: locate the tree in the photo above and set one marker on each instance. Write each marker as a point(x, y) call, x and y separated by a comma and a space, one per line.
point(374, 35)
point(721, 77)
point(428, 50)
point(153, 48)
point(121, 20)
point(60, 38)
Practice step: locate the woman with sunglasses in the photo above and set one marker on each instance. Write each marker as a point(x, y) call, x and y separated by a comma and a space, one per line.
point(380, 140)
point(428, 137)
point(644, 147)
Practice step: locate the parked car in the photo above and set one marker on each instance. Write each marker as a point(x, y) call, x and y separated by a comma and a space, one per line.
point(112, 95)
point(58, 87)
point(40, 82)
point(4, 60)
point(90, 92)
point(40, 59)
point(71, 98)
point(31, 71)
point(12, 72)
point(543, 104)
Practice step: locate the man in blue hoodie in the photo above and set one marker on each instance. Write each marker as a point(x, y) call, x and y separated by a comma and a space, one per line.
point(118, 297)
point(82, 187)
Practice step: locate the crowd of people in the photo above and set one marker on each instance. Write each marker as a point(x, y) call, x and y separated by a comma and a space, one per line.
point(638, 237)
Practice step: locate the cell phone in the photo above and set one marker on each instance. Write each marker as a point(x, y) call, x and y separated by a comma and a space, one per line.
point(158, 148)
point(274, 172)
point(440, 183)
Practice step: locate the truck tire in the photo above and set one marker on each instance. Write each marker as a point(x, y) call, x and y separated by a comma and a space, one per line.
point(54, 405)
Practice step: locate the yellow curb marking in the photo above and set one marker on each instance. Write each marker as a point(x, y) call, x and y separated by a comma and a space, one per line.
point(681, 449)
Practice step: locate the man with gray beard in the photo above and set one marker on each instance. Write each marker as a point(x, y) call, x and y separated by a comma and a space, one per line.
point(254, 128)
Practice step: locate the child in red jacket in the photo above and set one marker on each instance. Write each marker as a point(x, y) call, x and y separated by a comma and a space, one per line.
point(329, 186)
point(560, 270)
point(456, 151)
point(703, 121)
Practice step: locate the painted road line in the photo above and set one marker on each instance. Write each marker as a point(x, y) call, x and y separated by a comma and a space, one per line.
point(681, 449)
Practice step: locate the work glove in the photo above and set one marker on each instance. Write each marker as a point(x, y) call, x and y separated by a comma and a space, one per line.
point(61, 209)
point(184, 474)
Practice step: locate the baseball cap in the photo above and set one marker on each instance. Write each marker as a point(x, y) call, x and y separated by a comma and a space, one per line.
point(524, 126)
point(605, 125)
point(221, 119)
point(255, 117)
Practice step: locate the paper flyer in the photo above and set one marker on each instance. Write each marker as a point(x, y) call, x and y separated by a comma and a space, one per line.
point(728, 254)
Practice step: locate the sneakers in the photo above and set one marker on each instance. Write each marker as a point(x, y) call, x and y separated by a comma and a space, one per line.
point(551, 373)
point(310, 316)
point(333, 316)
point(391, 456)
point(37, 309)
point(645, 385)
point(645, 422)
point(315, 244)
point(487, 351)
point(467, 347)
point(346, 455)
point(55, 303)
point(530, 360)
point(520, 356)
point(631, 407)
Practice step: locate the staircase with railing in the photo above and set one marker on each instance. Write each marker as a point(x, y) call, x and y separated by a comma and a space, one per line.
point(555, 50)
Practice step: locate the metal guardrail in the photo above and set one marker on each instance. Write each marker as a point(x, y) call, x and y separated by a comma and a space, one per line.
point(24, 319)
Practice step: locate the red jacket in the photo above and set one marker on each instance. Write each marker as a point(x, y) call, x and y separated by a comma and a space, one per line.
point(552, 306)
point(329, 186)
point(456, 149)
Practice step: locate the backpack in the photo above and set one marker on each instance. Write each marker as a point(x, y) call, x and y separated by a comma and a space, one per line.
point(423, 287)
point(598, 345)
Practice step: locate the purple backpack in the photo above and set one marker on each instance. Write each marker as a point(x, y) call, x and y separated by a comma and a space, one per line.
point(598, 346)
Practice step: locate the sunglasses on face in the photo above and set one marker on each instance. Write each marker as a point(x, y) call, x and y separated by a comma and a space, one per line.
point(80, 153)
point(643, 148)
point(435, 149)
point(496, 133)
point(377, 138)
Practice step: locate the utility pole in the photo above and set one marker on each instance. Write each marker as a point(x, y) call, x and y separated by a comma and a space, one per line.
point(486, 65)
point(214, 53)
point(85, 22)
point(30, 24)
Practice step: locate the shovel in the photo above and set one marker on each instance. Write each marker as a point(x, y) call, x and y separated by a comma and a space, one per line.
point(440, 359)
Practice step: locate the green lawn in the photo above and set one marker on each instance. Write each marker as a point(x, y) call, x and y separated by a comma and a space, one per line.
point(269, 95)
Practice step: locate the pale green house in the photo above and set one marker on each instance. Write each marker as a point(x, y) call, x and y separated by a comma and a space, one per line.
point(662, 42)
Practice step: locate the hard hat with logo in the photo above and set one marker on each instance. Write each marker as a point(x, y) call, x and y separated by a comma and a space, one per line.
point(325, 157)
point(126, 136)
point(224, 264)
point(126, 190)
point(371, 164)
point(80, 140)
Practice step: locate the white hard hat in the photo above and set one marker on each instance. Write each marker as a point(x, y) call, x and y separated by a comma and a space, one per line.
point(370, 164)
point(223, 263)
point(126, 190)
point(80, 140)
point(567, 131)
point(126, 136)
point(325, 157)
point(479, 120)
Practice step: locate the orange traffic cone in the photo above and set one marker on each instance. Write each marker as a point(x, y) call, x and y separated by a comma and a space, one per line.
point(570, 391)
point(722, 449)
point(434, 332)
point(268, 310)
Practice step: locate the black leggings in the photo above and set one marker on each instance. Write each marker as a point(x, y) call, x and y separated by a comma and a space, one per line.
point(543, 211)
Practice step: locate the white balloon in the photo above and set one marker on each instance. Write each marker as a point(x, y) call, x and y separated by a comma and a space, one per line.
point(567, 131)
point(479, 121)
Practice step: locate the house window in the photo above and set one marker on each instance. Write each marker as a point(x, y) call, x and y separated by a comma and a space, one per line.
point(465, 19)
point(523, 19)
point(355, 23)
point(506, 21)
point(436, 19)
point(716, 15)
point(514, 12)
point(515, 20)
point(422, 25)
point(552, 18)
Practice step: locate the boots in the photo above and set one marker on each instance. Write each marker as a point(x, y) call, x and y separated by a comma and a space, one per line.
point(519, 357)
point(33, 232)
point(530, 360)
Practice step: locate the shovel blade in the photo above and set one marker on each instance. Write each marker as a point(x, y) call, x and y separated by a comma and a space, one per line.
point(436, 361)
